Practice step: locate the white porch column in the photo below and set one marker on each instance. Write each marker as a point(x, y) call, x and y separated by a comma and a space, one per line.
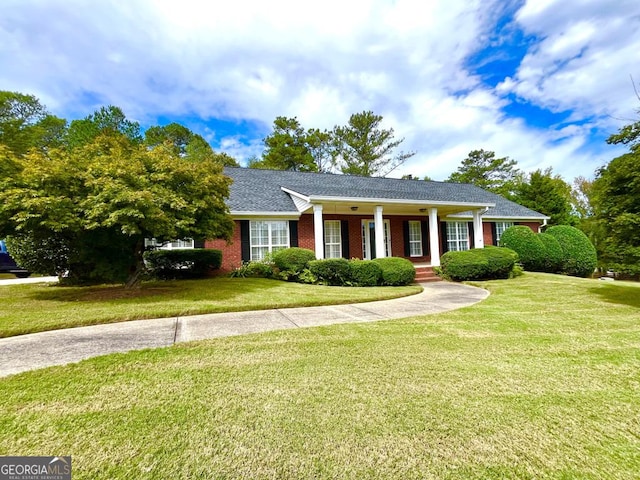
point(318, 230)
point(379, 228)
point(478, 234)
point(434, 238)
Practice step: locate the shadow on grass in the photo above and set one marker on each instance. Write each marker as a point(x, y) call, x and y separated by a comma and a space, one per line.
point(619, 294)
point(223, 289)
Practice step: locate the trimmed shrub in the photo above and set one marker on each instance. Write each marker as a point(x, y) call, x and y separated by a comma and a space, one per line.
point(256, 269)
point(396, 271)
point(364, 273)
point(187, 263)
point(292, 261)
point(331, 271)
point(553, 253)
point(479, 264)
point(527, 245)
point(579, 257)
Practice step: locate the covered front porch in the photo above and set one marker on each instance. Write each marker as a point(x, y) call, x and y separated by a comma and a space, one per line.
point(385, 227)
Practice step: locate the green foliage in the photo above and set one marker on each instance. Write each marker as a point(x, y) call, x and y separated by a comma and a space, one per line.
point(479, 264)
point(364, 273)
point(483, 169)
point(527, 245)
point(331, 271)
point(363, 148)
point(396, 271)
point(579, 256)
point(553, 253)
point(26, 124)
point(113, 193)
point(256, 269)
point(548, 194)
point(185, 144)
point(287, 148)
point(616, 203)
point(184, 263)
point(106, 121)
point(293, 260)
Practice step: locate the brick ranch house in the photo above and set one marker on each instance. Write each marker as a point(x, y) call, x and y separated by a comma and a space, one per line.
point(361, 217)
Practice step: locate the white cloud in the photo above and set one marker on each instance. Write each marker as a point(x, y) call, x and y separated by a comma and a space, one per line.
point(253, 60)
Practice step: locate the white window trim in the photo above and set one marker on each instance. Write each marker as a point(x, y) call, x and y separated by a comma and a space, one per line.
point(459, 242)
point(181, 244)
point(328, 226)
point(503, 227)
point(366, 252)
point(269, 246)
point(416, 243)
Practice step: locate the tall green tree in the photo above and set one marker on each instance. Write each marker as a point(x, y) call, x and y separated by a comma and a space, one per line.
point(108, 120)
point(548, 194)
point(616, 204)
point(185, 143)
point(25, 124)
point(287, 148)
point(482, 168)
point(362, 147)
point(101, 200)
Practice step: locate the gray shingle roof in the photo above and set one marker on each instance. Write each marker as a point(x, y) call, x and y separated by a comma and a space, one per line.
point(255, 190)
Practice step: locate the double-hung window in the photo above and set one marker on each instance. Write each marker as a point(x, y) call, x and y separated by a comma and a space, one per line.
point(332, 239)
point(457, 236)
point(268, 236)
point(415, 239)
point(500, 228)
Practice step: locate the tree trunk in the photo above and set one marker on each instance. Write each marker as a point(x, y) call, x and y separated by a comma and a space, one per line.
point(137, 269)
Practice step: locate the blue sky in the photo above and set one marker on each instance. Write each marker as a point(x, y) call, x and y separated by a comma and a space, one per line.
point(541, 81)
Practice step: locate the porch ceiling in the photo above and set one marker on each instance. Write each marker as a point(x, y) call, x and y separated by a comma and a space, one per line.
point(409, 209)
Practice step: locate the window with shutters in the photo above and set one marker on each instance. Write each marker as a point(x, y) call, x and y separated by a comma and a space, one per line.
point(332, 239)
point(267, 237)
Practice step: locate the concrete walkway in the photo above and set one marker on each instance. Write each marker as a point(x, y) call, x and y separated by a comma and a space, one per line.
point(59, 347)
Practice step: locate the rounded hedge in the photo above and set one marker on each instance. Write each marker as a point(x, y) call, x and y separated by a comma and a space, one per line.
point(364, 273)
point(182, 263)
point(579, 257)
point(331, 271)
point(293, 260)
point(396, 271)
point(527, 245)
point(478, 264)
point(553, 250)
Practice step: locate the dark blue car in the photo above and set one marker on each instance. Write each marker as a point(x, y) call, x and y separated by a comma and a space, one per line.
point(8, 264)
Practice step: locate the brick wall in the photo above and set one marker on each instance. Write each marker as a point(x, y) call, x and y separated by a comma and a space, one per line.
point(232, 254)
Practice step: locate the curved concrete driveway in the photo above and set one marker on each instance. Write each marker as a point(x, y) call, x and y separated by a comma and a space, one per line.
point(59, 347)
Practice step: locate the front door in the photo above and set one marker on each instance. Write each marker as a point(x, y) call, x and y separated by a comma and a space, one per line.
point(369, 239)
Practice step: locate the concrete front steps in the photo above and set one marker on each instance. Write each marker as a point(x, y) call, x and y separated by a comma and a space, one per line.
point(426, 274)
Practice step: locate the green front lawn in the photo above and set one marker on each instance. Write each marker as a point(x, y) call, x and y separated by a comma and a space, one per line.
point(38, 307)
point(541, 380)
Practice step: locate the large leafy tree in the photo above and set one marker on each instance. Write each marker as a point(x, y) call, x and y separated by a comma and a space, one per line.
point(615, 199)
point(484, 169)
point(548, 194)
point(101, 200)
point(25, 124)
point(362, 147)
point(185, 143)
point(108, 120)
point(287, 148)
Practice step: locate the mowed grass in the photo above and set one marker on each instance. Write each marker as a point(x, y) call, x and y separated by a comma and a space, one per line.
point(39, 307)
point(539, 381)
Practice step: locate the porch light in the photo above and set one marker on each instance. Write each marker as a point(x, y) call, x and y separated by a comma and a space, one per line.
point(354, 208)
